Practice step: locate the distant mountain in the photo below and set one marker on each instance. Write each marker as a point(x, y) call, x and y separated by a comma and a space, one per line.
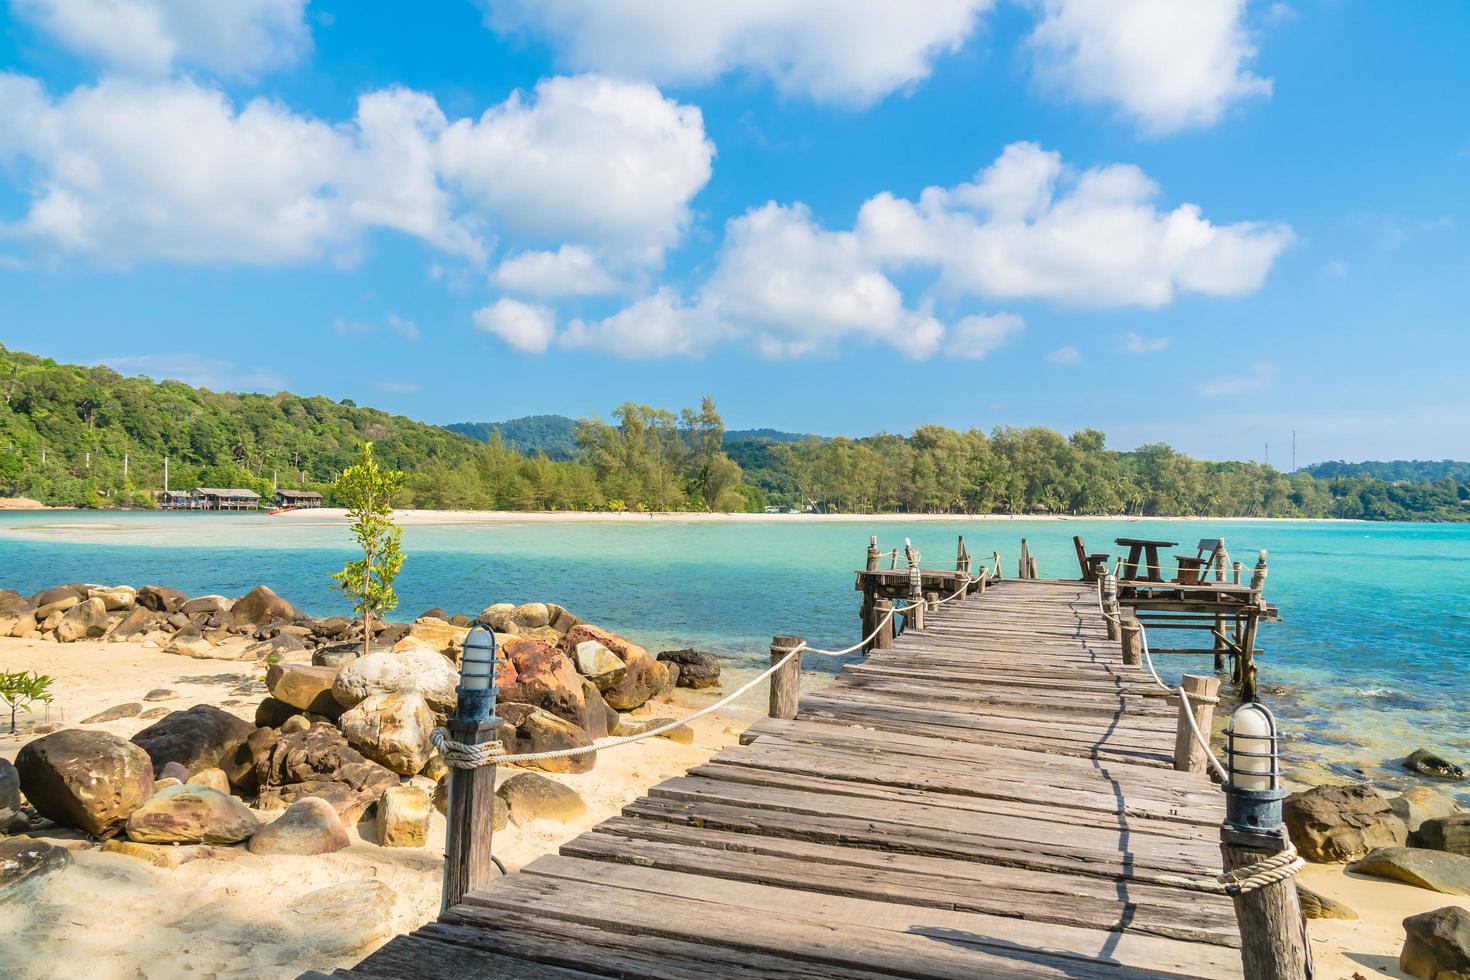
point(765, 435)
point(1394, 470)
point(552, 434)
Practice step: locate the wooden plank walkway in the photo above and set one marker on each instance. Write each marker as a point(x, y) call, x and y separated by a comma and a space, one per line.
point(992, 797)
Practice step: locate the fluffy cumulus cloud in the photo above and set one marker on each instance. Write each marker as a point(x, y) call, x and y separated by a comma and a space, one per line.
point(241, 38)
point(660, 325)
point(1170, 65)
point(844, 50)
point(127, 171)
point(976, 336)
point(571, 270)
point(526, 327)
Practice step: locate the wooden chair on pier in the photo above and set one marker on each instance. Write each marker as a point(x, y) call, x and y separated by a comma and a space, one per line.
point(1193, 569)
point(1093, 566)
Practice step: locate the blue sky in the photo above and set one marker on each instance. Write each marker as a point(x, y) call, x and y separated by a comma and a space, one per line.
point(1206, 222)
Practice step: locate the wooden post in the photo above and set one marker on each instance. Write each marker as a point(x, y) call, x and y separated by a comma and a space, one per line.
point(1132, 631)
point(469, 816)
point(1031, 567)
point(1236, 569)
point(1219, 638)
point(995, 557)
point(1189, 756)
point(786, 682)
point(884, 638)
point(931, 601)
point(1024, 566)
point(1110, 605)
point(1273, 931)
point(1258, 576)
point(873, 553)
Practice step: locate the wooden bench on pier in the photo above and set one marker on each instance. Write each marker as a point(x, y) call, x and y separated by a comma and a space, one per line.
point(993, 795)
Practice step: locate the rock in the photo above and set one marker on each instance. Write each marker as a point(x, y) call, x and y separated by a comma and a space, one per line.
point(18, 625)
point(260, 606)
point(645, 676)
point(331, 627)
point(387, 634)
point(172, 770)
point(116, 598)
point(497, 617)
point(206, 605)
point(304, 687)
point(530, 615)
point(192, 814)
point(160, 855)
point(562, 620)
point(1450, 834)
point(598, 664)
point(1420, 803)
point(271, 713)
point(544, 677)
point(601, 720)
point(530, 797)
point(436, 634)
point(190, 645)
point(403, 817)
point(130, 710)
point(697, 669)
point(277, 648)
point(25, 865)
point(1333, 824)
point(9, 793)
point(499, 813)
point(1315, 906)
point(431, 674)
point(1437, 871)
point(84, 621)
point(682, 734)
point(460, 619)
point(542, 731)
point(200, 738)
point(161, 694)
point(137, 624)
point(166, 782)
point(336, 655)
point(46, 610)
point(308, 826)
point(392, 730)
point(296, 723)
point(341, 919)
point(153, 713)
point(161, 598)
point(319, 762)
point(1426, 763)
point(87, 779)
point(671, 679)
point(215, 779)
point(1437, 944)
point(436, 768)
point(436, 613)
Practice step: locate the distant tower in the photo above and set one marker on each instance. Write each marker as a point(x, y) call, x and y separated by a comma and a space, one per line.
point(1293, 450)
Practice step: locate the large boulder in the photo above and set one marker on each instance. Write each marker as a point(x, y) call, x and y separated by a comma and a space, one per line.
point(161, 598)
point(191, 814)
point(260, 606)
point(1333, 824)
point(644, 678)
point(190, 644)
point(529, 615)
point(1437, 944)
point(1317, 906)
point(1437, 871)
point(308, 826)
point(542, 731)
point(117, 598)
point(544, 677)
point(202, 737)
point(84, 621)
point(391, 729)
point(1451, 833)
point(9, 794)
point(530, 797)
point(319, 762)
point(26, 864)
point(431, 674)
point(403, 817)
point(497, 617)
point(433, 634)
point(303, 686)
point(598, 664)
point(601, 718)
point(1420, 803)
point(88, 779)
point(1427, 763)
point(58, 597)
point(137, 624)
point(697, 669)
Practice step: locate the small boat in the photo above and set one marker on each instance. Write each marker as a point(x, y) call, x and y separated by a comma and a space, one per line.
point(279, 510)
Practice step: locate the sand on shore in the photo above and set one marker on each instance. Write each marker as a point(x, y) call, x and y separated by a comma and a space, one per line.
point(226, 916)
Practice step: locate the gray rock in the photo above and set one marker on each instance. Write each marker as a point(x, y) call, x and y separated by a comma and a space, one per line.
point(160, 694)
point(1437, 944)
point(9, 793)
point(206, 605)
point(192, 814)
point(1438, 871)
point(1333, 824)
point(530, 797)
point(130, 710)
point(308, 826)
point(431, 674)
point(598, 664)
point(697, 669)
point(1317, 906)
point(137, 624)
point(26, 864)
point(85, 621)
point(1451, 833)
point(392, 730)
point(200, 738)
point(87, 779)
point(1426, 763)
point(161, 598)
point(336, 655)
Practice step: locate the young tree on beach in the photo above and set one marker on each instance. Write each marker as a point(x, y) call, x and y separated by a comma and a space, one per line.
point(367, 491)
point(20, 689)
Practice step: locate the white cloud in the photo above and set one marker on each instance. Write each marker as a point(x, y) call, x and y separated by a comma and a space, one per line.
point(569, 271)
point(1171, 65)
point(1029, 228)
point(149, 37)
point(976, 336)
point(406, 329)
point(127, 172)
point(584, 159)
point(523, 326)
point(194, 369)
point(1064, 355)
point(1136, 343)
point(660, 325)
point(842, 50)
point(1259, 377)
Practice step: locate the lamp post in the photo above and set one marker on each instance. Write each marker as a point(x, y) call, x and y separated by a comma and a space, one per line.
point(1273, 932)
point(470, 814)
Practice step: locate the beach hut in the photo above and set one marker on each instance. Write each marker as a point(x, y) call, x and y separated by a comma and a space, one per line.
point(230, 498)
point(299, 499)
point(173, 500)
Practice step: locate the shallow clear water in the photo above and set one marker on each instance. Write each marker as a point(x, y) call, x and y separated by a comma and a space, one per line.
point(1368, 664)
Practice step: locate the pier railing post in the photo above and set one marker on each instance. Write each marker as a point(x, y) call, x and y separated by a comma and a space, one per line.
point(1110, 605)
point(914, 618)
point(1189, 755)
point(884, 638)
point(873, 553)
point(785, 682)
point(1132, 636)
point(469, 816)
point(1023, 569)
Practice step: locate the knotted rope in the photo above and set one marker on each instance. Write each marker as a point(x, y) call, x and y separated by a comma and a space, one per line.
point(1282, 866)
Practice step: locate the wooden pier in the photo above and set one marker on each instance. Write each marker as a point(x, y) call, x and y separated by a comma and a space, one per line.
point(993, 795)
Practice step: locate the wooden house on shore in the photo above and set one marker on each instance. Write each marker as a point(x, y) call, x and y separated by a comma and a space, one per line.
point(216, 498)
point(298, 499)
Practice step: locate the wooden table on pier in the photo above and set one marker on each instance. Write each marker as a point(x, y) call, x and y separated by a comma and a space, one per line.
point(1138, 547)
point(992, 797)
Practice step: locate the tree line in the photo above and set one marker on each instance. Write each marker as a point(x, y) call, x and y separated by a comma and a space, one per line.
point(65, 431)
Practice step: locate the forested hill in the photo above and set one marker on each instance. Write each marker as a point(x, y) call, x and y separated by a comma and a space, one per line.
point(1395, 470)
point(554, 435)
point(65, 430)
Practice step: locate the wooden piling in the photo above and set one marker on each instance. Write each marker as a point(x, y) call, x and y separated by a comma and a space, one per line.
point(1023, 569)
point(785, 682)
point(469, 819)
point(1189, 755)
point(873, 554)
point(1273, 931)
point(1132, 636)
point(883, 640)
point(931, 601)
point(1220, 646)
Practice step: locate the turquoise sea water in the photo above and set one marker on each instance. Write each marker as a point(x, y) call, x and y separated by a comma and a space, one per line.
point(1369, 663)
